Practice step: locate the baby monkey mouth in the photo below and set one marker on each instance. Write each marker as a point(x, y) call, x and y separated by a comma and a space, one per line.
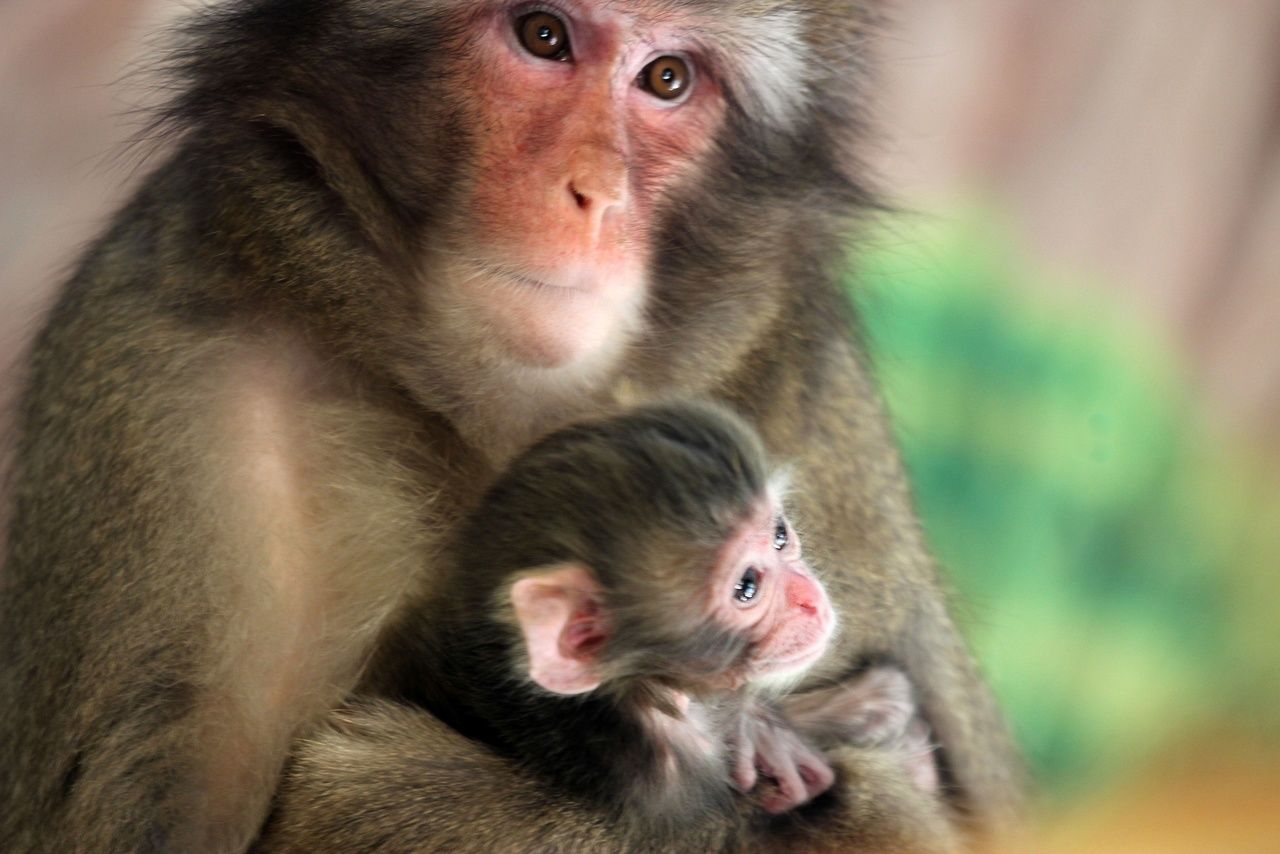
point(800, 658)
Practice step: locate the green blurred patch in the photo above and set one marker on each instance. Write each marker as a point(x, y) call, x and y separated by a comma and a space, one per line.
point(1115, 563)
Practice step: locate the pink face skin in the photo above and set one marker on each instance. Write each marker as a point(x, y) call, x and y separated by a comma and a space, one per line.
point(574, 158)
point(789, 618)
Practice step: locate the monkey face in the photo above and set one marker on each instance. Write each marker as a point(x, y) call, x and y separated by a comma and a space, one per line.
point(584, 118)
point(762, 587)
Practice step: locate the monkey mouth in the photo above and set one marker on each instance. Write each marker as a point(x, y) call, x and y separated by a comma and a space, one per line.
point(808, 647)
point(520, 279)
point(540, 284)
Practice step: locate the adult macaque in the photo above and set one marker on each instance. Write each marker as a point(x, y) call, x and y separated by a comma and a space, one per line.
point(395, 242)
point(621, 614)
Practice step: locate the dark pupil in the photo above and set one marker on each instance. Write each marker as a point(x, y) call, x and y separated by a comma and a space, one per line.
point(748, 586)
point(780, 536)
point(668, 75)
point(543, 35)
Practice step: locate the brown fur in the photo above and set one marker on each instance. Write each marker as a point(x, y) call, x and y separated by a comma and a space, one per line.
point(245, 433)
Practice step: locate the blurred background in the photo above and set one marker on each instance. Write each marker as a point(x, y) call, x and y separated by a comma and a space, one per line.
point(1076, 320)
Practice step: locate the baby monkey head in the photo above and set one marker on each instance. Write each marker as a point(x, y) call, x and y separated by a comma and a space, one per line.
point(652, 547)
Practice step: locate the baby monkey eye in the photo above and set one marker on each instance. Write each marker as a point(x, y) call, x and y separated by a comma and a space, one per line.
point(544, 35)
point(666, 77)
point(780, 538)
point(748, 586)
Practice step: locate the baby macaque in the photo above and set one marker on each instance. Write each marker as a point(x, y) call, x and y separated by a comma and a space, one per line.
point(625, 610)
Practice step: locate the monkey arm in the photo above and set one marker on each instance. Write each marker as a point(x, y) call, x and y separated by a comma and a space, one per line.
point(767, 744)
point(979, 763)
point(379, 776)
point(875, 709)
point(871, 710)
point(876, 807)
point(383, 777)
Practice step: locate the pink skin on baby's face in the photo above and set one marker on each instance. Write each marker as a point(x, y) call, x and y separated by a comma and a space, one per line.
point(762, 587)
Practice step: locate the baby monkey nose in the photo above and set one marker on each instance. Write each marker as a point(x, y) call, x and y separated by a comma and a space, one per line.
point(803, 592)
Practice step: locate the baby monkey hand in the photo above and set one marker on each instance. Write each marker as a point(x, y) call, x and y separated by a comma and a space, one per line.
point(876, 709)
point(766, 746)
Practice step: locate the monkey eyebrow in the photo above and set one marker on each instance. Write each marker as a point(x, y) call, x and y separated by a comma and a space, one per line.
point(764, 61)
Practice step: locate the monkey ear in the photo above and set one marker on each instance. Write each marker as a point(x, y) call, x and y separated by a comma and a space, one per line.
point(559, 613)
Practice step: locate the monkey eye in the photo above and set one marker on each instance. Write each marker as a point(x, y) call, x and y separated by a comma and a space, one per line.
point(748, 586)
point(544, 35)
point(667, 77)
point(780, 538)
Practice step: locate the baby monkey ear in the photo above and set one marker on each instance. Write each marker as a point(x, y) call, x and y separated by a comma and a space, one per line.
point(558, 609)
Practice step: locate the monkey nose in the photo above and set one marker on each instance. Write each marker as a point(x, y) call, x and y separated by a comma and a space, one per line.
point(596, 183)
point(803, 593)
point(595, 198)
